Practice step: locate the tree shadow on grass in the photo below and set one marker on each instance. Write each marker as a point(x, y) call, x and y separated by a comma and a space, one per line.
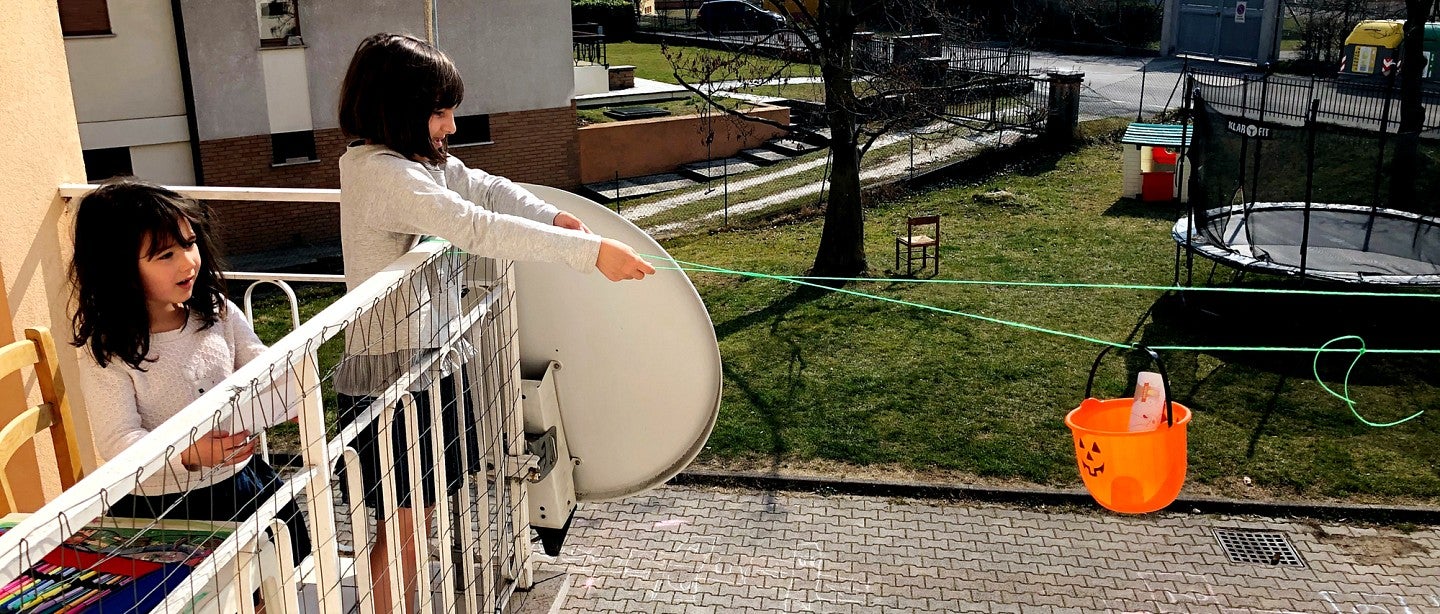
point(774, 312)
point(1129, 207)
point(772, 405)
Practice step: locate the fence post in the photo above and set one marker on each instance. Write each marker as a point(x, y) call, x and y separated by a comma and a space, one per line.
point(1140, 112)
point(1062, 123)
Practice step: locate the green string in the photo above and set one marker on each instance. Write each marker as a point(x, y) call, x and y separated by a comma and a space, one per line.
point(1343, 395)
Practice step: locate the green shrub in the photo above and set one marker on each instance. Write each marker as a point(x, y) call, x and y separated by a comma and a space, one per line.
point(616, 16)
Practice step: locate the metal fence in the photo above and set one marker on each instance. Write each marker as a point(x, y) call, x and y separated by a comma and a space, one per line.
point(1368, 104)
point(456, 312)
point(993, 102)
point(667, 22)
point(589, 48)
point(982, 59)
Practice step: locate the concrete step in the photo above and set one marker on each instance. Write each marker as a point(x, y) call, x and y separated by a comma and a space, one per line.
point(791, 147)
point(635, 187)
point(715, 169)
point(763, 157)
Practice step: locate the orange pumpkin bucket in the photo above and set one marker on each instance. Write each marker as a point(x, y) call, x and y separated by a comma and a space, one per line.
point(1129, 472)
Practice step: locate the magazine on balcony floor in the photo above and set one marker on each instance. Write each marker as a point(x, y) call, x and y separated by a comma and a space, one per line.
point(112, 565)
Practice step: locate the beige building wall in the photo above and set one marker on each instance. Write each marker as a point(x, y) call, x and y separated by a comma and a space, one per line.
point(134, 73)
point(39, 149)
point(128, 91)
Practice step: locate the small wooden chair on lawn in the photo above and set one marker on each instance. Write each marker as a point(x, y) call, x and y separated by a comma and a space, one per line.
point(922, 243)
point(53, 413)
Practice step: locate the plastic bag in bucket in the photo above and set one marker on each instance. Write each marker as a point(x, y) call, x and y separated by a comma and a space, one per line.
point(1127, 472)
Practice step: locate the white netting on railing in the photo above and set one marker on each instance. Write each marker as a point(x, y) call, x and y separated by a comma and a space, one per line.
point(336, 529)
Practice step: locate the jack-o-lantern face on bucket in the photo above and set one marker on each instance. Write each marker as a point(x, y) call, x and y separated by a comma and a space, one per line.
point(1090, 460)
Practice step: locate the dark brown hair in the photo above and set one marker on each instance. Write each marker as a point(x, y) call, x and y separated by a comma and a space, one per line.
point(395, 82)
point(111, 318)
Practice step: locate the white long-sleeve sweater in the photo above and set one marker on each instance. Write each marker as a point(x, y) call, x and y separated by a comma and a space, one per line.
point(124, 404)
point(388, 203)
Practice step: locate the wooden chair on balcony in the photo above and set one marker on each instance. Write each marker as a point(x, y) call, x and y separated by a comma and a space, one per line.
point(913, 243)
point(53, 414)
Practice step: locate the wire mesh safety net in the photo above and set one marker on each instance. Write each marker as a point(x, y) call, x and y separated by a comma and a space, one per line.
point(409, 384)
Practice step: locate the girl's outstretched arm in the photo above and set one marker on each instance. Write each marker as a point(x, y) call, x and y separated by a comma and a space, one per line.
point(392, 194)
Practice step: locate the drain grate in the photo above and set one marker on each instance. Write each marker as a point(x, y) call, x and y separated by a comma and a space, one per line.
point(1261, 547)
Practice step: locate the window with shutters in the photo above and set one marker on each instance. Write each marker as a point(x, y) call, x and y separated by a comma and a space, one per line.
point(84, 17)
point(279, 23)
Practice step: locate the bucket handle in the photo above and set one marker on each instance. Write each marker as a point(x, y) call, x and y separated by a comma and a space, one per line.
point(1164, 378)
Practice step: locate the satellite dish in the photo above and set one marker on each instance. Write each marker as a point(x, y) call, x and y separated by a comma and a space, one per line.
point(639, 379)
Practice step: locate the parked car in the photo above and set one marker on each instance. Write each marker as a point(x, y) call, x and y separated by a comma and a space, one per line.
point(717, 16)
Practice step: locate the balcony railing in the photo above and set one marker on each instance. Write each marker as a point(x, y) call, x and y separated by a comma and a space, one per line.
point(478, 541)
point(588, 45)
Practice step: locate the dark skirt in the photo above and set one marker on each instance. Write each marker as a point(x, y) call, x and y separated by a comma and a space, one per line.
point(462, 450)
point(230, 500)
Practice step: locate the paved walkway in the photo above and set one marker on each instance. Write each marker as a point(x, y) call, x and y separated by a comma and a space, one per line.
point(684, 549)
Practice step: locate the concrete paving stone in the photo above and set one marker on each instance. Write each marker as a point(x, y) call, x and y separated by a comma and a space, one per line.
point(1084, 602)
point(1042, 599)
point(1186, 569)
point(1008, 606)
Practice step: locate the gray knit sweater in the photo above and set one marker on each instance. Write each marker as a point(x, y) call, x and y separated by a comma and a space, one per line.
point(124, 404)
point(388, 203)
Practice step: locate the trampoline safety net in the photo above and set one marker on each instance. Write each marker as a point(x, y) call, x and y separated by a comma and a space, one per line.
point(1295, 194)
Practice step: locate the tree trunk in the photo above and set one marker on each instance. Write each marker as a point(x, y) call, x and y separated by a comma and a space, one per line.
point(1405, 164)
point(842, 242)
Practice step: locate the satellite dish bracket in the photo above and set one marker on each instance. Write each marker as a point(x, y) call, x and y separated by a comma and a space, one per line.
point(552, 480)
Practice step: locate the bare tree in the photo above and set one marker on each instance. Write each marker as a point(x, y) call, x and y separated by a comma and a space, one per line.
point(1323, 25)
point(1406, 165)
point(862, 102)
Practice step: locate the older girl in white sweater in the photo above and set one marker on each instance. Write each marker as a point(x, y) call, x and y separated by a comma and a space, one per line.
point(397, 186)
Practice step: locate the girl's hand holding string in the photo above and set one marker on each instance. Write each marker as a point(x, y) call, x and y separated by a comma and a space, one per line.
point(218, 448)
point(618, 262)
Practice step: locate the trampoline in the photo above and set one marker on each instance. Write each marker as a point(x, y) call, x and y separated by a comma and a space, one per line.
point(1345, 243)
point(1313, 200)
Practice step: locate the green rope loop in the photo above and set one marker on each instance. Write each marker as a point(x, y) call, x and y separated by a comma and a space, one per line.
point(1344, 395)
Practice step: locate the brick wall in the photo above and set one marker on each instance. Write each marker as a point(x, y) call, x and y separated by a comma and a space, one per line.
point(529, 146)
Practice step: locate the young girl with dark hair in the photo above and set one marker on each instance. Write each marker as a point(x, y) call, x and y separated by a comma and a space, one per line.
point(157, 332)
point(397, 186)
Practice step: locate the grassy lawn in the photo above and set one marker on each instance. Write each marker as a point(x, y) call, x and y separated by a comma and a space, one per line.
point(688, 106)
point(813, 92)
point(855, 386)
point(651, 64)
point(823, 382)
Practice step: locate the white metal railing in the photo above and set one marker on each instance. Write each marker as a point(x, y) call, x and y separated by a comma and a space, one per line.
point(282, 282)
point(485, 523)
